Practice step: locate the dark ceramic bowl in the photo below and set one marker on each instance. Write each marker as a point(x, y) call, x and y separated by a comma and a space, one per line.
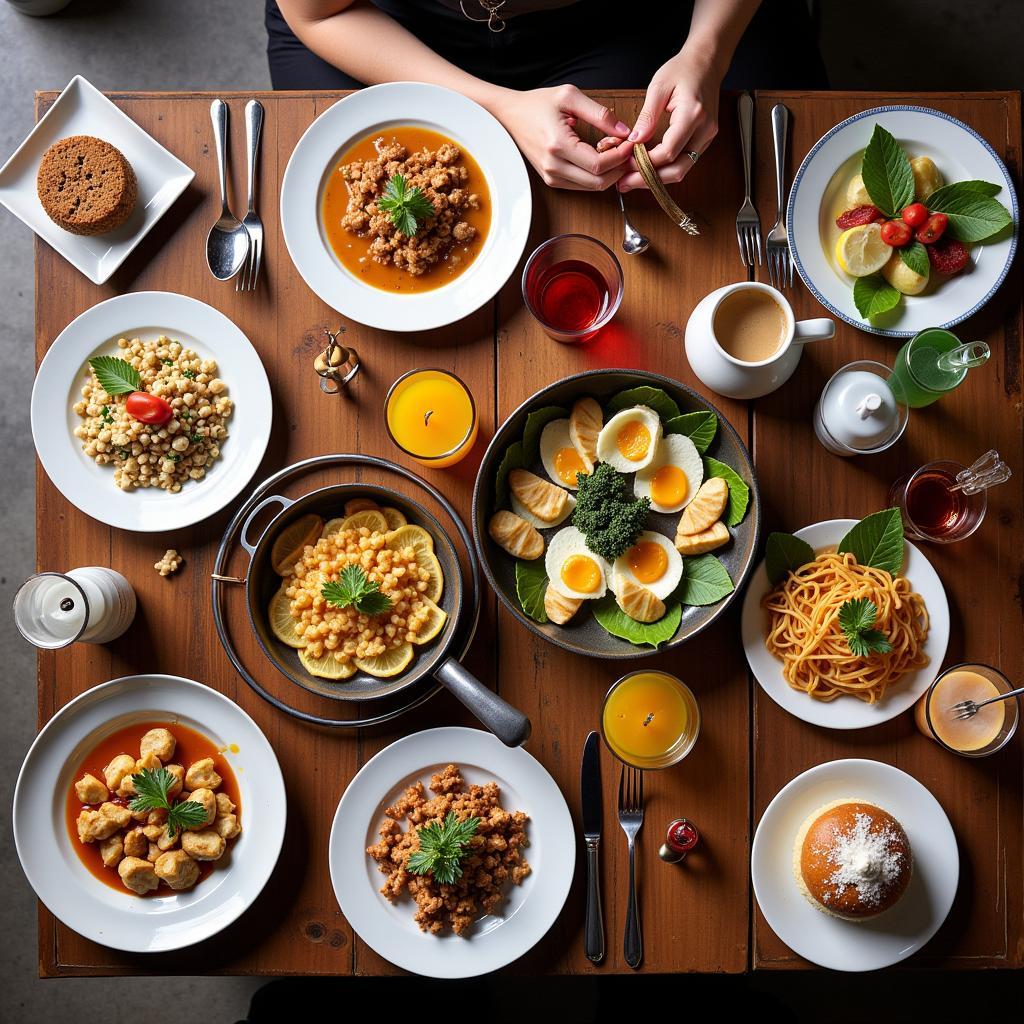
point(584, 635)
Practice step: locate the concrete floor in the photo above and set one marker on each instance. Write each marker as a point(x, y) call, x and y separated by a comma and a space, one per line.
point(214, 44)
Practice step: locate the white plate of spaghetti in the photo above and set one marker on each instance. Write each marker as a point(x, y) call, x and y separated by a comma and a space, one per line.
point(800, 656)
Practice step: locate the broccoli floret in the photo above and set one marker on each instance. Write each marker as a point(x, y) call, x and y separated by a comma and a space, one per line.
point(606, 512)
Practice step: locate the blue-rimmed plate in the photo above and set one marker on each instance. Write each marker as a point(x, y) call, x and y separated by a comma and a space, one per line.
point(818, 197)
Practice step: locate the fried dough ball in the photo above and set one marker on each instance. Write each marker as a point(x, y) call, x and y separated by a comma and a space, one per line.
point(202, 775)
point(136, 843)
point(177, 869)
point(138, 875)
point(205, 797)
point(153, 853)
point(179, 779)
point(94, 826)
point(112, 850)
point(166, 841)
point(90, 790)
point(224, 805)
point(160, 742)
point(205, 845)
point(122, 765)
point(227, 826)
point(153, 832)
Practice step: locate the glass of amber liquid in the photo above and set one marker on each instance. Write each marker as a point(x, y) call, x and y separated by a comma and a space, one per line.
point(934, 507)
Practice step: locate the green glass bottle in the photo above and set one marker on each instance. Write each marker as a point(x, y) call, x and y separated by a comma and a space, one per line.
point(933, 363)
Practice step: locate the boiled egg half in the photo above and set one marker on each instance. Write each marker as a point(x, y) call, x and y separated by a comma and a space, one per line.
point(573, 569)
point(673, 475)
point(629, 440)
point(561, 460)
point(653, 562)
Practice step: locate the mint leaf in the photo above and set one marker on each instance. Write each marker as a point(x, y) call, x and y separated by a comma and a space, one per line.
point(531, 586)
point(886, 173)
point(877, 541)
point(739, 492)
point(915, 256)
point(115, 375)
point(354, 588)
point(535, 423)
point(856, 619)
point(957, 188)
point(406, 207)
point(699, 427)
point(973, 216)
point(184, 815)
point(874, 295)
point(619, 624)
point(705, 581)
point(784, 554)
point(512, 459)
point(653, 398)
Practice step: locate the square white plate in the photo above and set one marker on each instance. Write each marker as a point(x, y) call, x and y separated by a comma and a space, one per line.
point(81, 109)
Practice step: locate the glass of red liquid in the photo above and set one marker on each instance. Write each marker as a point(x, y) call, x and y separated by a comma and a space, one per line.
point(932, 509)
point(572, 284)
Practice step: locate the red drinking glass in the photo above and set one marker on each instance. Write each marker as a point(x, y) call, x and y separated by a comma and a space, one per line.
point(572, 284)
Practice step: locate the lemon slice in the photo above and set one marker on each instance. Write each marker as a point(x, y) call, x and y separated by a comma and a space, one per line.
point(410, 536)
point(433, 625)
point(291, 542)
point(332, 526)
point(435, 585)
point(388, 664)
point(394, 517)
point(370, 518)
point(860, 251)
point(282, 625)
point(325, 667)
point(354, 505)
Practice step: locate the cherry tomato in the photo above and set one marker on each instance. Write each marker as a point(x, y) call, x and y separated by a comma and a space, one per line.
point(915, 214)
point(933, 228)
point(147, 408)
point(895, 233)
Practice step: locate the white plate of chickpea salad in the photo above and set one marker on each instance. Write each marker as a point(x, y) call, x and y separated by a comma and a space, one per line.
point(73, 808)
point(138, 408)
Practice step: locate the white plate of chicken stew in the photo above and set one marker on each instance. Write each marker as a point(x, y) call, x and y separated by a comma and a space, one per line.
point(166, 813)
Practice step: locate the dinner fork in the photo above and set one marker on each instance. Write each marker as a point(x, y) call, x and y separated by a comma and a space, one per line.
point(776, 253)
point(247, 280)
point(748, 224)
point(969, 708)
point(631, 817)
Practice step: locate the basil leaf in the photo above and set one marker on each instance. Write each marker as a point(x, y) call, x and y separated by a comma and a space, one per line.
point(739, 492)
point(973, 217)
point(618, 623)
point(874, 295)
point(653, 398)
point(705, 581)
point(531, 586)
point(699, 427)
point(886, 173)
point(535, 423)
point(115, 375)
point(512, 459)
point(946, 192)
point(877, 541)
point(915, 256)
point(784, 554)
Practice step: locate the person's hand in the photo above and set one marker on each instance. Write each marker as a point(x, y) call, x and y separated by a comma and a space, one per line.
point(543, 123)
point(687, 87)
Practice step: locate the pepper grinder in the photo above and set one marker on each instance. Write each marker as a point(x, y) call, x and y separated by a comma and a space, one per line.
point(682, 836)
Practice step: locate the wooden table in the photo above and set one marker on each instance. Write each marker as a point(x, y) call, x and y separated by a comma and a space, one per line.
point(700, 917)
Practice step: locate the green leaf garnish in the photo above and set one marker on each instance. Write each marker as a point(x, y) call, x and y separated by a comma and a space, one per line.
point(512, 459)
point(739, 492)
point(915, 256)
point(535, 423)
point(973, 215)
point(857, 619)
point(946, 192)
point(873, 296)
point(784, 554)
point(152, 789)
point(531, 586)
point(877, 541)
point(406, 207)
point(618, 623)
point(699, 427)
point(653, 398)
point(442, 847)
point(887, 175)
point(115, 375)
point(354, 588)
point(705, 581)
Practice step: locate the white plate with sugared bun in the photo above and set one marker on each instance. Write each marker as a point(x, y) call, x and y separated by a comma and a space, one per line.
point(889, 937)
point(102, 910)
point(846, 711)
point(335, 263)
point(819, 195)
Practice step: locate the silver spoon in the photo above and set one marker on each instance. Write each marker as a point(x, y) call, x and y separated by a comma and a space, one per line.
point(227, 245)
point(633, 242)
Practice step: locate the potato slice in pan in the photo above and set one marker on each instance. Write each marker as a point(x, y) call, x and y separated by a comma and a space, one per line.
point(560, 609)
point(388, 664)
point(707, 506)
point(282, 625)
point(700, 543)
point(325, 667)
point(291, 542)
point(394, 518)
point(516, 536)
point(542, 499)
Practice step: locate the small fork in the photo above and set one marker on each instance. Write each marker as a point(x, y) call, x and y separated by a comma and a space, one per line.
point(631, 817)
point(748, 224)
point(969, 708)
point(776, 253)
point(247, 279)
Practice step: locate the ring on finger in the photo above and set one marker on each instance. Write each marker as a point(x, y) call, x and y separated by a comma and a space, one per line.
point(693, 155)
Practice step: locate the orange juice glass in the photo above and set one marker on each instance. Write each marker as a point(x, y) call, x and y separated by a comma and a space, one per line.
point(650, 719)
point(431, 416)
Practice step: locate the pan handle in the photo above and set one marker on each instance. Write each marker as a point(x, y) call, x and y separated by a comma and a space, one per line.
point(274, 499)
point(512, 727)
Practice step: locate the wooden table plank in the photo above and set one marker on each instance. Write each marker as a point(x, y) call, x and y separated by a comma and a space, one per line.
point(982, 575)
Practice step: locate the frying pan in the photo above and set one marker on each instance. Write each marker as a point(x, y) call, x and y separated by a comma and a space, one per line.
point(584, 634)
point(436, 658)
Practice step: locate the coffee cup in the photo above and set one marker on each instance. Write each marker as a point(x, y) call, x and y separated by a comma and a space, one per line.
point(742, 340)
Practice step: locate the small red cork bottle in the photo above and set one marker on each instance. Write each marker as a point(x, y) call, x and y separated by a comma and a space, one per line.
point(681, 838)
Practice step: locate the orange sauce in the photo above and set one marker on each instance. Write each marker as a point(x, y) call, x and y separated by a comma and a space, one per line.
point(352, 249)
point(192, 746)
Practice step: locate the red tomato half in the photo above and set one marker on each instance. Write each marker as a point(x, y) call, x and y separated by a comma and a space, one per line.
point(147, 408)
point(933, 228)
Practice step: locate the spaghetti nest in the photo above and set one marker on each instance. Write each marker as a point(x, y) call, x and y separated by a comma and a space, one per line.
point(805, 634)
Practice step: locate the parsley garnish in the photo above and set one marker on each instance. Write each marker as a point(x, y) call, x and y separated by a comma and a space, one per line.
point(152, 792)
point(405, 206)
point(105, 415)
point(442, 847)
point(191, 374)
point(173, 457)
point(857, 620)
point(115, 375)
point(167, 362)
point(355, 588)
point(195, 438)
point(123, 453)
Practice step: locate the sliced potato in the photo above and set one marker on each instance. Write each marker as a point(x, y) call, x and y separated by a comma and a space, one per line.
point(326, 667)
point(585, 423)
point(560, 609)
point(369, 518)
point(516, 536)
point(539, 497)
point(435, 585)
point(394, 518)
point(700, 543)
point(637, 601)
point(433, 625)
point(291, 542)
point(354, 505)
point(902, 278)
point(388, 664)
point(282, 625)
point(410, 536)
point(927, 177)
point(707, 506)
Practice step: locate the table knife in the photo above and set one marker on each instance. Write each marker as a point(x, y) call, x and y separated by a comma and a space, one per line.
point(590, 787)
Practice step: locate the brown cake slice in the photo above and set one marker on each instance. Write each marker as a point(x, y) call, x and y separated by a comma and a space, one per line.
point(86, 185)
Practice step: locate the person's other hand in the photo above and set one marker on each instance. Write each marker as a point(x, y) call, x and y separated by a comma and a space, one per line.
point(543, 123)
point(687, 87)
